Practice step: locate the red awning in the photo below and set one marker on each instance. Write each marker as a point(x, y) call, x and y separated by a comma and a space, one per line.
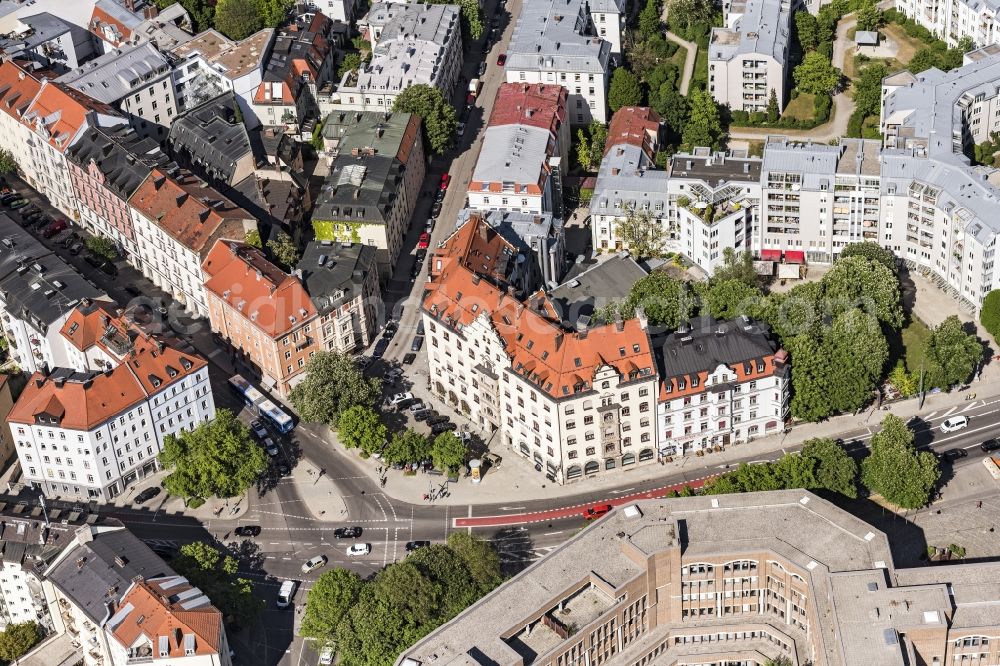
point(795, 257)
point(770, 255)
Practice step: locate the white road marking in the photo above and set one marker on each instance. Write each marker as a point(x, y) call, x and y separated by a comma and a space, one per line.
point(949, 411)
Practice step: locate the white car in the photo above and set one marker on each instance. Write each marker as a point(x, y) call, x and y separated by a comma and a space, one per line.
point(286, 593)
point(359, 549)
point(417, 406)
point(954, 423)
point(314, 563)
point(326, 656)
point(400, 397)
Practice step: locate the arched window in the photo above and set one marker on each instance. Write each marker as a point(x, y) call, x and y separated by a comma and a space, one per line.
point(645, 454)
point(628, 459)
point(609, 463)
point(574, 472)
point(592, 467)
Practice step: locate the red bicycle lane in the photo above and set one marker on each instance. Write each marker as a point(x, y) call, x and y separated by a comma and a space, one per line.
point(572, 511)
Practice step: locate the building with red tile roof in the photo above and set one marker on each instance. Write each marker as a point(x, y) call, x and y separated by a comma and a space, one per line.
point(536, 105)
point(635, 126)
point(261, 311)
point(168, 621)
point(133, 404)
point(177, 219)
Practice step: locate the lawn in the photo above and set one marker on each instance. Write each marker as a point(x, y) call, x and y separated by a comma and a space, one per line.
point(913, 337)
point(801, 108)
point(906, 46)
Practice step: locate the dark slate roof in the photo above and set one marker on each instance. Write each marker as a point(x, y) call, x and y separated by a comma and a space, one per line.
point(212, 137)
point(360, 188)
point(268, 200)
point(705, 343)
point(124, 157)
point(92, 577)
point(584, 291)
point(25, 262)
point(328, 269)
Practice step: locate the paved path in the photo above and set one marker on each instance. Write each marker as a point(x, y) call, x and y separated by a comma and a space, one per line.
point(843, 104)
point(692, 58)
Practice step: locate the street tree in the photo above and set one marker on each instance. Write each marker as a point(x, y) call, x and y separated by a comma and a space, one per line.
point(238, 19)
point(640, 232)
point(666, 301)
point(442, 565)
point(952, 355)
point(408, 446)
point(217, 575)
point(625, 90)
point(284, 250)
point(833, 469)
point(217, 458)
point(448, 452)
point(871, 251)
point(333, 594)
point(438, 115)
point(17, 639)
point(989, 316)
point(360, 427)
point(7, 162)
point(480, 557)
point(101, 247)
point(333, 383)
point(857, 350)
point(703, 126)
point(895, 470)
point(807, 30)
point(816, 75)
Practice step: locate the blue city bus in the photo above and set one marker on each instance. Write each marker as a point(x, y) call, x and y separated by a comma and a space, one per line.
point(251, 397)
point(277, 418)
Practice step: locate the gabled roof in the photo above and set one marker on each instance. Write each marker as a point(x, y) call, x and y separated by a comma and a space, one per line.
point(533, 104)
point(18, 88)
point(62, 112)
point(636, 126)
point(262, 293)
point(175, 617)
point(299, 51)
point(193, 213)
point(123, 157)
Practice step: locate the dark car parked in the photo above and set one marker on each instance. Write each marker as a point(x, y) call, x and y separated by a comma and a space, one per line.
point(423, 414)
point(247, 530)
point(380, 348)
point(990, 445)
point(439, 428)
point(417, 343)
point(434, 420)
point(416, 545)
point(951, 455)
point(147, 494)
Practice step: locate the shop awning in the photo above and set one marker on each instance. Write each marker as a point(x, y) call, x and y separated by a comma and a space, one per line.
point(795, 256)
point(770, 255)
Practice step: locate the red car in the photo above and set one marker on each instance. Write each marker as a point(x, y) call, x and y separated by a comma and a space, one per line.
point(596, 511)
point(425, 240)
point(445, 180)
point(501, 59)
point(54, 228)
point(470, 99)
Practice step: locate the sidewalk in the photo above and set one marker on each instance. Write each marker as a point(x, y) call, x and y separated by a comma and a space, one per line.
point(516, 480)
point(233, 508)
point(318, 492)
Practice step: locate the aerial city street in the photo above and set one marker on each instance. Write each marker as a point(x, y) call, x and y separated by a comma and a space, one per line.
point(499, 333)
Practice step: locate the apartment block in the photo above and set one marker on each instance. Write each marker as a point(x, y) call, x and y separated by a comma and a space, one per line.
point(554, 42)
point(90, 435)
point(748, 58)
point(377, 169)
point(136, 80)
point(177, 219)
point(608, 17)
point(415, 44)
point(746, 578)
point(106, 166)
point(951, 20)
point(262, 312)
point(520, 164)
point(211, 140)
point(722, 383)
point(342, 281)
point(18, 89)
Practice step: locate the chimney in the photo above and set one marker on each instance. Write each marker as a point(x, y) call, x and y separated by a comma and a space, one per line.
point(129, 5)
point(150, 12)
point(640, 314)
point(108, 371)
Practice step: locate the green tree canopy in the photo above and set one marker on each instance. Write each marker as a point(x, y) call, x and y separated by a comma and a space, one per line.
point(867, 102)
point(807, 30)
point(729, 298)
point(690, 12)
point(989, 316)
point(334, 593)
point(869, 16)
point(438, 115)
point(471, 16)
point(951, 354)
point(102, 247)
point(17, 639)
point(816, 74)
point(333, 383)
point(671, 105)
point(736, 266)
point(216, 575)
point(202, 12)
point(773, 109)
point(408, 446)
point(872, 252)
point(274, 13)
point(7, 162)
point(833, 469)
point(895, 470)
point(350, 63)
point(640, 232)
point(703, 126)
point(284, 250)
point(360, 427)
point(856, 281)
point(821, 465)
point(649, 19)
point(217, 458)
point(625, 90)
point(252, 238)
point(666, 301)
point(448, 451)
point(238, 19)
point(480, 557)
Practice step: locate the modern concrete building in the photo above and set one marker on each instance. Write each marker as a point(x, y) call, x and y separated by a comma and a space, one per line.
point(106, 166)
point(609, 18)
point(554, 42)
point(415, 44)
point(748, 58)
point(136, 80)
point(728, 579)
point(177, 219)
point(377, 169)
point(342, 281)
point(262, 312)
point(45, 38)
point(90, 435)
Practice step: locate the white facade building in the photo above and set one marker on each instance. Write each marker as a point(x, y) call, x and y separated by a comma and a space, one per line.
point(951, 20)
